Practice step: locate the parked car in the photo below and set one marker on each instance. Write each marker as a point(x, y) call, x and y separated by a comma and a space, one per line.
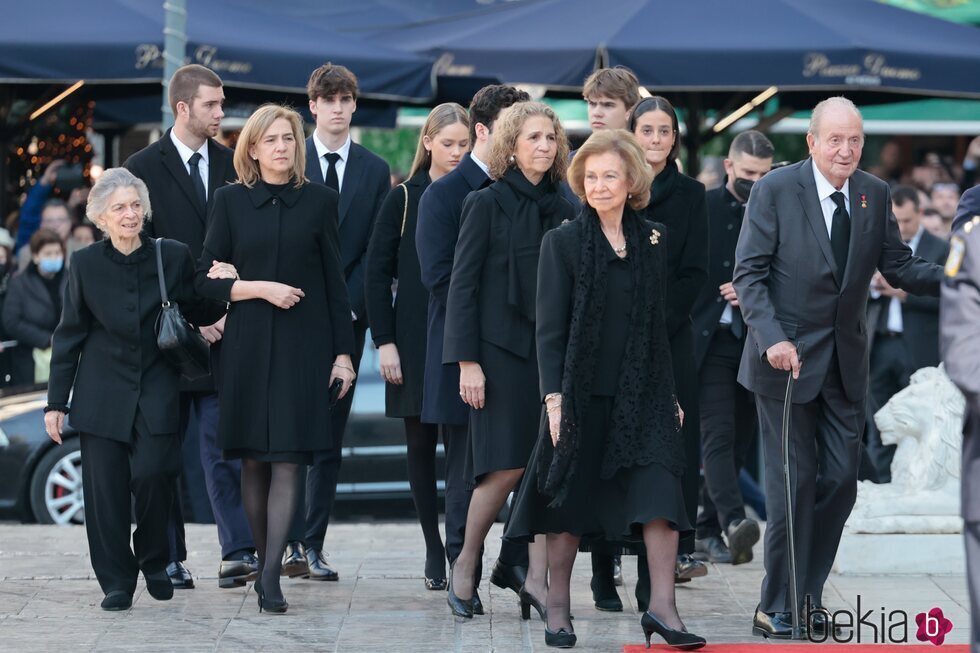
point(40, 481)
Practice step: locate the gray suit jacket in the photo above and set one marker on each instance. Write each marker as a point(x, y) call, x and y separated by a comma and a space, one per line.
point(789, 287)
point(959, 333)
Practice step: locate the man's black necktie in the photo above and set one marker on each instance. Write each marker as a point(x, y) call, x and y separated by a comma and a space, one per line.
point(196, 180)
point(840, 231)
point(331, 179)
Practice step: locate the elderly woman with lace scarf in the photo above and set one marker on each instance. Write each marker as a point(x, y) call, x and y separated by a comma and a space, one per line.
point(607, 464)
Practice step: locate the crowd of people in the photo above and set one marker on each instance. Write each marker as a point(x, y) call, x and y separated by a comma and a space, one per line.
point(599, 327)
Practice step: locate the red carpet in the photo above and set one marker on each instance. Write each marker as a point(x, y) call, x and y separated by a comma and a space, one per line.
point(769, 646)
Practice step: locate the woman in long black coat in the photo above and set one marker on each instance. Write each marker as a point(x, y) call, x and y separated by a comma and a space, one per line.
point(125, 404)
point(678, 202)
point(396, 322)
point(490, 324)
point(288, 335)
point(609, 458)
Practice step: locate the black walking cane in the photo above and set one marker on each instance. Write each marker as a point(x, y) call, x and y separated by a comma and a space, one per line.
point(788, 492)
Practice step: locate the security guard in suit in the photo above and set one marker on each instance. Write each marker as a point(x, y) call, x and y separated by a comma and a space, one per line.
point(959, 332)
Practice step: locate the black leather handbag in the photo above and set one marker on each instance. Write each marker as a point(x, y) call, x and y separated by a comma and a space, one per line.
point(179, 342)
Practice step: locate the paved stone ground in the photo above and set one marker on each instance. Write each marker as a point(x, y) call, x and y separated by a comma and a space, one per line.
point(49, 602)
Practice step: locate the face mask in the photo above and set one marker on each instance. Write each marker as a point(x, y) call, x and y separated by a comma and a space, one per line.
point(51, 265)
point(743, 187)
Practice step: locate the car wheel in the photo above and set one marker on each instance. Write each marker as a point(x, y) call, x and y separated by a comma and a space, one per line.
point(56, 487)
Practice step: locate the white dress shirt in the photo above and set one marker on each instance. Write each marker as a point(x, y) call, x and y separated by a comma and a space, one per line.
point(483, 166)
point(824, 190)
point(185, 155)
point(341, 164)
point(895, 323)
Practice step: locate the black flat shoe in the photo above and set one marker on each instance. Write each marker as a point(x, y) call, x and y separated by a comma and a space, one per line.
point(679, 639)
point(712, 549)
point(778, 625)
point(687, 568)
point(436, 584)
point(561, 639)
point(159, 586)
point(458, 606)
point(180, 576)
point(527, 602)
point(742, 536)
point(508, 577)
point(117, 600)
point(275, 606)
point(606, 599)
point(294, 562)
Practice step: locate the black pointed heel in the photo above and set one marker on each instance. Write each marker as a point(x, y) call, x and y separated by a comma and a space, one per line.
point(275, 606)
point(527, 602)
point(459, 607)
point(679, 639)
point(560, 639)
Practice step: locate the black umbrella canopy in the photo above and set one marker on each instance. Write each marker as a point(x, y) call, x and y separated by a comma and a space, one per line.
point(115, 42)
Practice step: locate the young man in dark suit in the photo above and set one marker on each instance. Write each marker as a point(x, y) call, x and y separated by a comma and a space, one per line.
point(363, 179)
point(904, 328)
point(182, 170)
point(727, 409)
point(813, 235)
point(440, 209)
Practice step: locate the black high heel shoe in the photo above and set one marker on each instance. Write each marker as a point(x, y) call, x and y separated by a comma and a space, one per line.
point(679, 639)
point(527, 602)
point(275, 606)
point(459, 607)
point(560, 639)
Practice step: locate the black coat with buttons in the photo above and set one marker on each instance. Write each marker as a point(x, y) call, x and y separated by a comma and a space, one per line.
point(105, 345)
point(276, 363)
point(725, 213)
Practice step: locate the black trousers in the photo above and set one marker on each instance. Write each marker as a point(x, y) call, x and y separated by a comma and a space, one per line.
point(312, 517)
point(824, 450)
point(458, 492)
point(889, 371)
point(115, 477)
point(728, 426)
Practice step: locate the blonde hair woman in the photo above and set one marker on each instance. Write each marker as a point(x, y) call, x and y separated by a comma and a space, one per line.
point(283, 352)
point(397, 323)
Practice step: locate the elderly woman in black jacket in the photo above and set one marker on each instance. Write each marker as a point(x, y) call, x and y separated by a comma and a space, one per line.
point(33, 304)
point(125, 404)
point(490, 326)
point(608, 462)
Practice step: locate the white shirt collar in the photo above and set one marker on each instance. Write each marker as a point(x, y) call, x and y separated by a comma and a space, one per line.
point(483, 166)
point(825, 189)
point(322, 149)
point(186, 152)
point(914, 242)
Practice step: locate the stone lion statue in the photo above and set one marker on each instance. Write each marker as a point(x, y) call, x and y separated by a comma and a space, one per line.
point(925, 421)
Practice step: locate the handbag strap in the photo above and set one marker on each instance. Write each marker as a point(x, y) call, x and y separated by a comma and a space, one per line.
point(163, 285)
point(405, 211)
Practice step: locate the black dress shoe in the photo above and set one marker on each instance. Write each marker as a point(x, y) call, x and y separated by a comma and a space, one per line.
point(712, 549)
point(778, 625)
point(508, 577)
point(319, 568)
point(679, 639)
point(604, 595)
point(818, 621)
point(117, 600)
point(475, 603)
point(159, 585)
point(180, 576)
point(688, 568)
point(238, 571)
point(294, 562)
point(742, 535)
point(560, 639)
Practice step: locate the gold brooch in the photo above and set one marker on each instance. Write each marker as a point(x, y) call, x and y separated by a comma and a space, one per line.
point(654, 237)
point(864, 201)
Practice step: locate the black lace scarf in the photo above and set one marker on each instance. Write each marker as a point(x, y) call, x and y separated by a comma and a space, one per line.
point(644, 424)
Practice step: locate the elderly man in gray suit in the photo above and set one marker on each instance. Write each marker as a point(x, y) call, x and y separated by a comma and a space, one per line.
point(813, 235)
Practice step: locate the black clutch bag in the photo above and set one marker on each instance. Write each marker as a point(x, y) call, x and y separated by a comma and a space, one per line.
point(179, 342)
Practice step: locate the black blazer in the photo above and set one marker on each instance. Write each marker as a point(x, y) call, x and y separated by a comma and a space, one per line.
point(477, 308)
point(276, 364)
point(440, 208)
point(105, 346)
point(177, 212)
point(391, 255)
point(367, 180)
point(684, 212)
point(30, 317)
point(725, 213)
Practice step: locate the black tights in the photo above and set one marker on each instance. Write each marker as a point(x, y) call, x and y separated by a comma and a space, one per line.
point(269, 493)
point(422, 440)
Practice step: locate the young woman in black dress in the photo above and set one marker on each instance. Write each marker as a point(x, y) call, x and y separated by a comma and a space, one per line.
point(608, 462)
point(490, 325)
point(397, 322)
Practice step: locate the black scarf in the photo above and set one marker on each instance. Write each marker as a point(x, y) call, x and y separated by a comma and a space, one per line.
point(644, 424)
point(539, 208)
point(663, 184)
